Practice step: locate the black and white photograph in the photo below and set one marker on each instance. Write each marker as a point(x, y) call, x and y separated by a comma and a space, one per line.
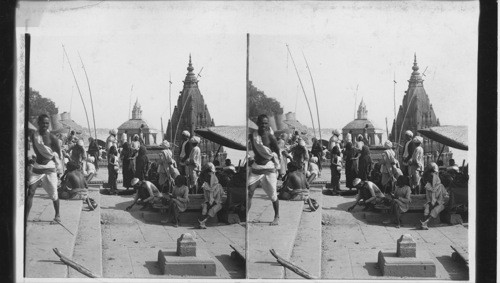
point(233, 141)
point(361, 126)
point(135, 149)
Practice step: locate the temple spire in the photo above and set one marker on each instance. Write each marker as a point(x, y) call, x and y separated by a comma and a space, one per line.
point(190, 65)
point(190, 76)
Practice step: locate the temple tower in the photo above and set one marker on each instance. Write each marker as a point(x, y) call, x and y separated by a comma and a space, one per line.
point(416, 112)
point(189, 114)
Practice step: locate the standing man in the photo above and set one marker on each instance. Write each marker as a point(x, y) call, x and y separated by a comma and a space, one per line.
point(416, 164)
point(48, 159)
point(334, 140)
point(265, 163)
point(123, 138)
point(111, 140)
point(185, 152)
point(365, 135)
point(194, 164)
point(349, 136)
point(408, 152)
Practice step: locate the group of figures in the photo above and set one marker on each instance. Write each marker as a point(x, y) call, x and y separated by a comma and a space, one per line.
point(384, 183)
point(64, 169)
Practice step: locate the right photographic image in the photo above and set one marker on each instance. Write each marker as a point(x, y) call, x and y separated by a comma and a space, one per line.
point(360, 136)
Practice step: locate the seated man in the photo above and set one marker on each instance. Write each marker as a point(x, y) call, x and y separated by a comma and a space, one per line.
point(312, 170)
point(178, 200)
point(295, 186)
point(401, 200)
point(146, 192)
point(435, 194)
point(74, 185)
point(89, 170)
point(368, 192)
point(212, 192)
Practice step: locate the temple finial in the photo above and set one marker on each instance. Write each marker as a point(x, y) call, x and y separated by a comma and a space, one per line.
point(415, 58)
point(190, 65)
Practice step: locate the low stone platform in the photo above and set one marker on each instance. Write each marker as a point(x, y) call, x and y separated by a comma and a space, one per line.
point(407, 261)
point(200, 265)
point(420, 266)
point(187, 260)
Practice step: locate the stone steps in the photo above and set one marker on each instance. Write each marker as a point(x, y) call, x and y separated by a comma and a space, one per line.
point(88, 243)
point(42, 237)
point(306, 252)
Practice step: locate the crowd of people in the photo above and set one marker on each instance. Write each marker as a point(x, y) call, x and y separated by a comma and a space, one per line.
point(385, 183)
point(64, 168)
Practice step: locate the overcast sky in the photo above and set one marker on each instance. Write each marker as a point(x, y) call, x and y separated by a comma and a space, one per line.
point(346, 44)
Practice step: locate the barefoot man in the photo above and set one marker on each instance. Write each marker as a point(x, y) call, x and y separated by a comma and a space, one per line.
point(47, 150)
point(266, 161)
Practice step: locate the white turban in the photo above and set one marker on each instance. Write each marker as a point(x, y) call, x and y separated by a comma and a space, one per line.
point(433, 166)
point(166, 144)
point(418, 139)
point(388, 144)
point(195, 139)
point(186, 134)
point(314, 159)
point(409, 133)
point(113, 132)
point(209, 167)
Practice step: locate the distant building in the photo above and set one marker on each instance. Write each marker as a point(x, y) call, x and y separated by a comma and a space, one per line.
point(358, 125)
point(189, 114)
point(416, 113)
point(137, 125)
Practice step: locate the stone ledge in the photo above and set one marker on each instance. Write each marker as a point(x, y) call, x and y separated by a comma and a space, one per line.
point(172, 264)
point(420, 266)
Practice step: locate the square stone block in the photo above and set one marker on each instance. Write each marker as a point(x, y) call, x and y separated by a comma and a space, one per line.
point(172, 264)
point(420, 266)
point(186, 245)
point(406, 246)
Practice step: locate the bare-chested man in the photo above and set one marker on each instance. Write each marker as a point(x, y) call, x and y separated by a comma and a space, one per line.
point(47, 150)
point(266, 160)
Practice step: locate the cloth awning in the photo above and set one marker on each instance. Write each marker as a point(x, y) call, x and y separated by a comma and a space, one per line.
point(229, 136)
point(452, 136)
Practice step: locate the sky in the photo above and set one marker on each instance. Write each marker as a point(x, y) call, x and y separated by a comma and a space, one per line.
point(365, 46)
point(131, 48)
point(129, 54)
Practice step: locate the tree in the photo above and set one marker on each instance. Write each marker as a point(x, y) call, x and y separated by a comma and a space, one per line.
point(40, 105)
point(258, 103)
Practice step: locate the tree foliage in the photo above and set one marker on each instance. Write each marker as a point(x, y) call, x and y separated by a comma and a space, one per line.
point(258, 103)
point(40, 105)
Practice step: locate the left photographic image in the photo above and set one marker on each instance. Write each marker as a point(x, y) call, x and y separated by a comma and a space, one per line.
point(134, 144)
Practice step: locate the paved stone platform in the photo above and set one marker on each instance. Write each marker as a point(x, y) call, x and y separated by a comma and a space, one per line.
point(42, 237)
point(262, 237)
point(306, 251)
point(350, 244)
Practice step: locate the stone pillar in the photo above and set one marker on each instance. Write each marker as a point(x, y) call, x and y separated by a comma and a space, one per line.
point(406, 246)
point(186, 245)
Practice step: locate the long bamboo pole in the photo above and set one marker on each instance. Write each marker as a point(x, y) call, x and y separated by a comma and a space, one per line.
point(78, 267)
point(78, 87)
point(90, 93)
point(291, 266)
point(315, 97)
point(303, 90)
